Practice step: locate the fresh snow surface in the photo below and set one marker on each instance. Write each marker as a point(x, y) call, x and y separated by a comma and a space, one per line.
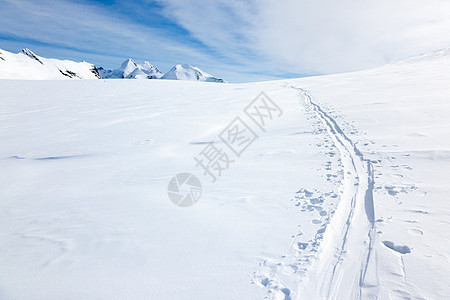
point(188, 72)
point(344, 196)
point(27, 65)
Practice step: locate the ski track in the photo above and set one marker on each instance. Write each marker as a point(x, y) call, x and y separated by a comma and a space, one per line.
point(356, 198)
point(345, 265)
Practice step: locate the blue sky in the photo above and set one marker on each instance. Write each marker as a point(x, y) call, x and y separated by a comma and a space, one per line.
point(238, 40)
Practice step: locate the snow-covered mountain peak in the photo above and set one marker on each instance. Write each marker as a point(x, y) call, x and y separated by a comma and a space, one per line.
point(128, 63)
point(28, 65)
point(188, 72)
point(31, 55)
point(28, 52)
point(146, 65)
point(130, 69)
point(138, 74)
point(128, 66)
point(150, 70)
point(184, 66)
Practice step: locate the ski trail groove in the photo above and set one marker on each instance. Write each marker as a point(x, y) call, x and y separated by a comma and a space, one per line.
point(347, 265)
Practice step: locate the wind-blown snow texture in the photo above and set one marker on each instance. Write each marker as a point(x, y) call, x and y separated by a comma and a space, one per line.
point(343, 197)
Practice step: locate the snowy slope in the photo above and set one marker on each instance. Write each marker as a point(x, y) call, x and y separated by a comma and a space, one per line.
point(343, 196)
point(150, 70)
point(137, 74)
point(104, 73)
point(188, 72)
point(127, 67)
point(397, 117)
point(27, 65)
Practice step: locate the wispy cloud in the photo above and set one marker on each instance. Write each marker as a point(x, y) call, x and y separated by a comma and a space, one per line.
point(237, 39)
point(97, 33)
point(317, 36)
point(337, 36)
point(66, 24)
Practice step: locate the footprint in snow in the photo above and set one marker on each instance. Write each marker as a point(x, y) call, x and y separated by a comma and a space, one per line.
point(397, 248)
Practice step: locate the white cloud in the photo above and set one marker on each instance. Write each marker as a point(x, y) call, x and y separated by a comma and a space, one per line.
point(242, 39)
point(75, 25)
point(93, 30)
point(323, 36)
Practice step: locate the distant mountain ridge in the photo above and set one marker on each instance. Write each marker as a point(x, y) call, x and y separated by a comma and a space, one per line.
point(28, 65)
point(188, 72)
point(130, 69)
